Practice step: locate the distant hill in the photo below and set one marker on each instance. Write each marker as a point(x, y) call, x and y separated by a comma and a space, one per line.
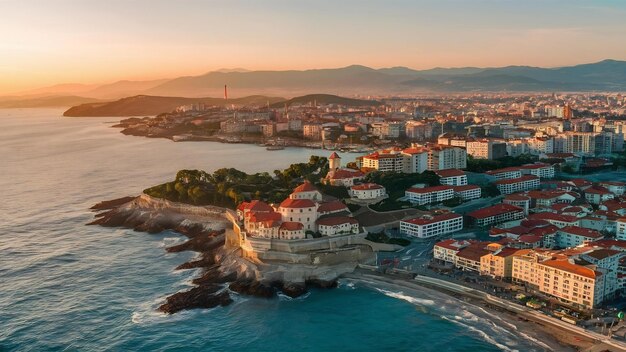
point(607, 75)
point(143, 105)
point(326, 99)
point(43, 101)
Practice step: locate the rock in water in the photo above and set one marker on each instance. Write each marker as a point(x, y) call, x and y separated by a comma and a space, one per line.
point(206, 296)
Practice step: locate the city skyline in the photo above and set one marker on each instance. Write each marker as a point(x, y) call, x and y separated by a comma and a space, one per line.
point(92, 43)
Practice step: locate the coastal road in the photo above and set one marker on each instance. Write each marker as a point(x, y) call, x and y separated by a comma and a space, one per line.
point(527, 312)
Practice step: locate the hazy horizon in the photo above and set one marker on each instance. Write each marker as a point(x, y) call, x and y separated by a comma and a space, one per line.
point(88, 42)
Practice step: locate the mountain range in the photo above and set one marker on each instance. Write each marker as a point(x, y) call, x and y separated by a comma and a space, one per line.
point(606, 75)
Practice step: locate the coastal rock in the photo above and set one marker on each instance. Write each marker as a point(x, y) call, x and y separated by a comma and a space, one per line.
point(253, 288)
point(206, 296)
point(322, 283)
point(293, 290)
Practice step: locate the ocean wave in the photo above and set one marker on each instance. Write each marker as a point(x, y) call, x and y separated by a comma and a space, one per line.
point(410, 299)
point(480, 333)
point(284, 297)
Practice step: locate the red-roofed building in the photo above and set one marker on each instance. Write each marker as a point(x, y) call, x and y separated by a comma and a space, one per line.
point(337, 225)
point(368, 191)
point(446, 250)
point(558, 220)
point(496, 214)
point(468, 258)
point(572, 236)
point(524, 183)
point(506, 173)
point(306, 191)
point(335, 206)
point(452, 177)
point(291, 231)
point(518, 200)
point(343, 177)
point(428, 195)
point(498, 264)
point(598, 194)
point(541, 170)
point(467, 192)
point(432, 225)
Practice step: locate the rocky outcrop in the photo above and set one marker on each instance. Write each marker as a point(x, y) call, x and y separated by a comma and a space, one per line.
point(225, 271)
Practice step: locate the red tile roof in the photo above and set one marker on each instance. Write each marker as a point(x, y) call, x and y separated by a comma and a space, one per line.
point(291, 226)
point(333, 206)
point(495, 210)
point(503, 170)
point(517, 197)
point(552, 216)
point(433, 219)
point(262, 217)
point(305, 187)
point(603, 253)
point(336, 220)
point(334, 156)
point(524, 178)
point(465, 188)
point(346, 173)
point(449, 173)
point(366, 186)
point(565, 265)
point(256, 206)
point(535, 166)
point(429, 189)
point(297, 203)
point(580, 231)
point(453, 244)
point(474, 251)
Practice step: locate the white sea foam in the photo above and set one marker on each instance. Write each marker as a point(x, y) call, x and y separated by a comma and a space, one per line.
point(481, 333)
point(402, 296)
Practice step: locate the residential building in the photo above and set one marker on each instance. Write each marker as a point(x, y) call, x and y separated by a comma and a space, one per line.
point(541, 170)
point(441, 157)
point(432, 225)
point(524, 183)
point(467, 192)
point(495, 214)
point(428, 195)
point(452, 177)
point(446, 250)
point(367, 191)
point(505, 173)
point(337, 225)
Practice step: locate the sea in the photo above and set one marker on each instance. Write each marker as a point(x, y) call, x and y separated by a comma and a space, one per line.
point(65, 286)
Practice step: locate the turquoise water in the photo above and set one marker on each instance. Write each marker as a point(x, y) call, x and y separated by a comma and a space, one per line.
point(65, 286)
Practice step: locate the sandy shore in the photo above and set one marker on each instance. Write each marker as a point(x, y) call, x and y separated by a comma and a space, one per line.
point(527, 326)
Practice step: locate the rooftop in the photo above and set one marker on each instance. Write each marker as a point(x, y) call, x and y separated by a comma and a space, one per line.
point(494, 210)
point(433, 219)
point(517, 180)
point(429, 189)
point(297, 203)
point(449, 173)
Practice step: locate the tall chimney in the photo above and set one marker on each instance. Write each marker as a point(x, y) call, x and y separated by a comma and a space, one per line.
point(225, 92)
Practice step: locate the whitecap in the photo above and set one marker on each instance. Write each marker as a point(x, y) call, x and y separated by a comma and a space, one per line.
point(402, 296)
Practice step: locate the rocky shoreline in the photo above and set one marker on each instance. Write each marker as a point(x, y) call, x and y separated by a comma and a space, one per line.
point(224, 271)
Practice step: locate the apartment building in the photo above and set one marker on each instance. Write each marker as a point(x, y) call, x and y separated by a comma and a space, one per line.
point(428, 195)
point(524, 183)
point(496, 214)
point(432, 225)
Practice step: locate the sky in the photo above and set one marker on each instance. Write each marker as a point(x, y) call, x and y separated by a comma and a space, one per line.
point(46, 42)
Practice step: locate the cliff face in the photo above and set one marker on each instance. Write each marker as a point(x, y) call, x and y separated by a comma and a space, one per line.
point(225, 270)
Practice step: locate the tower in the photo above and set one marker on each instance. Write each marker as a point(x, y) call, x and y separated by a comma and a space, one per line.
point(334, 162)
point(225, 92)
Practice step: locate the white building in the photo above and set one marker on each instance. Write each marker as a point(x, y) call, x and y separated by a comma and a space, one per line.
point(541, 170)
point(446, 250)
point(524, 183)
point(430, 226)
point(506, 173)
point(428, 195)
point(367, 191)
point(303, 211)
point(452, 177)
point(337, 225)
point(467, 192)
point(441, 157)
point(621, 229)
